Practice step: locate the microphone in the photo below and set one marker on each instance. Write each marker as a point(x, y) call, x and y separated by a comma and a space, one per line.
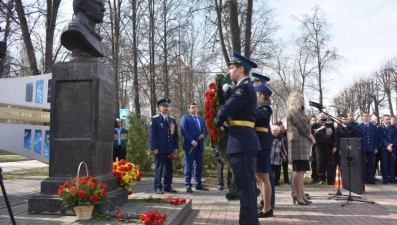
point(317, 105)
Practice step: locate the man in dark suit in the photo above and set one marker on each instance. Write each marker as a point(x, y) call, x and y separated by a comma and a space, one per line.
point(243, 144)
point(388, 142)
point(369, 146)
point(163, 137)
point(194, 131)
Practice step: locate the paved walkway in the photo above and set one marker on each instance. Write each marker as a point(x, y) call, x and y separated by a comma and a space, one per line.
point(211, 207)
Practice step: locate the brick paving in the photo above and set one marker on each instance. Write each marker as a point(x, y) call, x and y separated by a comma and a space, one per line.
point(211, 207)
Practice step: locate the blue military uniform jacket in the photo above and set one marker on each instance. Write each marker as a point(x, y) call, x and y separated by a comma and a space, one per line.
point(262, 126)
point(241, 108)
point(369, 137)
point(162, 135)
point(387, 135)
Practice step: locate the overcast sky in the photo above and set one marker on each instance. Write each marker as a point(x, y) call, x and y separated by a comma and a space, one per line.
point(364, 32)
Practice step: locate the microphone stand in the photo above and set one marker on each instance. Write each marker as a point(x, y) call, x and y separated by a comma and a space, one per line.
point(348, 198)
point(3, 189)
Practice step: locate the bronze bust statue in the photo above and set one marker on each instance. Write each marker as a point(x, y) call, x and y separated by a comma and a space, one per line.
point(79, 35)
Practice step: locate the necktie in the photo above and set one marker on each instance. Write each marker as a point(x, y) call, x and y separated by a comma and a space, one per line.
point(197, 122)
point(166, 119)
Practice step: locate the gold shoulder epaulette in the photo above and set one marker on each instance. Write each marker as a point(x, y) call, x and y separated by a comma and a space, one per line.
point(155, 116)
point(171, 117)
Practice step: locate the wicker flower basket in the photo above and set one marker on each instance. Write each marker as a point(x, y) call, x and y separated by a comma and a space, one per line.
point(84, 212)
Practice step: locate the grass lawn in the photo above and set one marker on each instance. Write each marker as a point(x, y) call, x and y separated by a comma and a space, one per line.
point(12, 158)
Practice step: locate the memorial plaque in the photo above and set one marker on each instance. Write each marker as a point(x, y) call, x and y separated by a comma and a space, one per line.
point(74, 108)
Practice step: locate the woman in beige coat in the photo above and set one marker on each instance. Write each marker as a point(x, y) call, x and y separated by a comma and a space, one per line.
point(299, 144)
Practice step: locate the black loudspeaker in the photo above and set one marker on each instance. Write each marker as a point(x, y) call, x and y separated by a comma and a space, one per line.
point(3, 48)
point(351, 158)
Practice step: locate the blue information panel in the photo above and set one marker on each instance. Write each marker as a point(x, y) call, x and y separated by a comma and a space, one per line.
point(124, 114)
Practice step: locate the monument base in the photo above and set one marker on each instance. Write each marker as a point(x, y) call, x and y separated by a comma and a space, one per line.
point(51, 204)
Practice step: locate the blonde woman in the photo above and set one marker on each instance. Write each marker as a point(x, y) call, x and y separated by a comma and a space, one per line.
point(300, 141)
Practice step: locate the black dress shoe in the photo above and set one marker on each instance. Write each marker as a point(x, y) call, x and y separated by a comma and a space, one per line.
point(170, 190)
point(158, 191)
point(189, 189)
point(202, 188)
point(267, 214)
point(220, 188)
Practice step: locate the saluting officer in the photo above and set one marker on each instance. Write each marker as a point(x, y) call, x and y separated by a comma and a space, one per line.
point(163, 136)
point(388, 142)
point(242, 144)
point(369, 146)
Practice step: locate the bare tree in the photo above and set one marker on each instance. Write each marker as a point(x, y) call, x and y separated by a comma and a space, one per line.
point(386, 80)
point(51, 19)
point(23, 23)
point(315, 28)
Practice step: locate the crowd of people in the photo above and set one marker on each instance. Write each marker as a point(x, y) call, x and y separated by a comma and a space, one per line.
point(378, 146)
point(257, 151)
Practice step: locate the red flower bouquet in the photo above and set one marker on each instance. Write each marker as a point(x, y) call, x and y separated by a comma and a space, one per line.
point(82, 191)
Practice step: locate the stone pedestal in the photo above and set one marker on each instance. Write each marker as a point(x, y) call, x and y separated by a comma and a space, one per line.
point(81, 129)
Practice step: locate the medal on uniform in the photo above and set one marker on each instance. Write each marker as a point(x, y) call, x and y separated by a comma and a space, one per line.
point(172, 128)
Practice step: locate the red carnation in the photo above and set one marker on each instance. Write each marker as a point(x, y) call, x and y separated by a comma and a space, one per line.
point(67, 183)
point(103, 193)
point(90, 184)
point(81, 194)
point(72, 189)
point(60, 191)
point(212, 86)
point(94, 198)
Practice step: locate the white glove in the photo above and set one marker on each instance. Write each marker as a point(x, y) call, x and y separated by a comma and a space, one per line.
point(225, 124)
point(225, 87)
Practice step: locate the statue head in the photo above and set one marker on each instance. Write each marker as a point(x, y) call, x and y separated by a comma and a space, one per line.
point(94, 10)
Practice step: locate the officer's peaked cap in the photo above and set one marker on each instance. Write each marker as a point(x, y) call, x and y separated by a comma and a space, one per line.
point(164, 101)
point(256, 76)
point(239, 59)
point(264, 89)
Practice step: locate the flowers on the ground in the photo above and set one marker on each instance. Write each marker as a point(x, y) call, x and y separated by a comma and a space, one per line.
point(126, 173)
point(171, 200)
point(146, 217)
point(83, 191)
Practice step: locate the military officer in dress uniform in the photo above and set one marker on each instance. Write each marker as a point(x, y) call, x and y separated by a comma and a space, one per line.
point(388, 142)
point(163, 136)
point(243, 144)
point(259, 79)
point(369, 147)
point(262, 128)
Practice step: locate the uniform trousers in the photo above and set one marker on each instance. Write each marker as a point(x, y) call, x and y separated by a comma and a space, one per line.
point(325, 164)
point(387, 165)
point(219, 172)
point(285, 171)
point(313, 164)
point(244, 168)
point(368, 167)
point(119, 153)
point(162, 164)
